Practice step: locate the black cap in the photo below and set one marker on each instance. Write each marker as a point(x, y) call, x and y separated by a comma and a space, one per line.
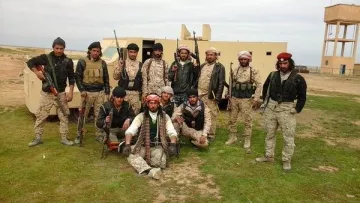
point(119, 92)
point(158, 46)
point(58, 41)
point(133, 46)
point(192, 92)
point(94, 45)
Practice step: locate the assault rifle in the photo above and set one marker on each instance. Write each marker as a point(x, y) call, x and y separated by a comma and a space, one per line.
point(176, 59)
point(196, 55)
point(53, 89)
point(107, 130)
point(81, 121)
point(119, 50)
point(230, 87)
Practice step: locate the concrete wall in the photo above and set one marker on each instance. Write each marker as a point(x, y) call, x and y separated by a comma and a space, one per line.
point(342, 12)
point(332, 65)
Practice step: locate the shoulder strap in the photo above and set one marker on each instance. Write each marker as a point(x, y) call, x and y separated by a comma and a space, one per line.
point(52, 69)
point(164, 67)
point(148, 68)
point(251, 72)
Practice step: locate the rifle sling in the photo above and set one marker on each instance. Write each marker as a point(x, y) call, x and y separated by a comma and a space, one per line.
point(52, 70)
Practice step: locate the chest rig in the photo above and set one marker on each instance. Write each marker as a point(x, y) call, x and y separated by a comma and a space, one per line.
point(245, 89)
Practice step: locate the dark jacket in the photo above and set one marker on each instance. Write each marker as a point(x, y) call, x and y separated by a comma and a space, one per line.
point(294, 88)
point(118, 117)
point(217, 81)
point(189, 119)
point(63, 66)
point(184, 77)
point(79, 76)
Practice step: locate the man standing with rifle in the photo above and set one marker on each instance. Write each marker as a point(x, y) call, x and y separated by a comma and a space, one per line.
point(245, 91)
point(154, 72)
point(211, 83)
point(128, 74)
point(57, 70)
point(92, 80)
point(181, 75)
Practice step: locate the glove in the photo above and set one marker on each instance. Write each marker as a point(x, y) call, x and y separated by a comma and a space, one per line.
point(127, 150)
point(172, 149)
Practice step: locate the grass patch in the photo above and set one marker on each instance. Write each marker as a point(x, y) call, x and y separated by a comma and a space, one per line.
point(77, 174)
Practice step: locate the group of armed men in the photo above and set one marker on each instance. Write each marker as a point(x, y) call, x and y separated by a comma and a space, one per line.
point(154, 104)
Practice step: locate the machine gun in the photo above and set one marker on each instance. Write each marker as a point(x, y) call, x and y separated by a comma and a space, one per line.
point(81, 121)
point(121, 57)
point(53, 89)
point(230, 87)
point(105, 146)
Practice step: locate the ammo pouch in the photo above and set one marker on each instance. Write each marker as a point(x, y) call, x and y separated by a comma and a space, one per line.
point(135, 85)
point(243, 90)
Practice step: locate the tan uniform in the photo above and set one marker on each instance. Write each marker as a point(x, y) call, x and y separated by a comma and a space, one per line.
point(189, 132)
point(95, 99)
point(203, 88)
point(47, 100)
point(243, 105)
point(132, 97)
point(154, 77)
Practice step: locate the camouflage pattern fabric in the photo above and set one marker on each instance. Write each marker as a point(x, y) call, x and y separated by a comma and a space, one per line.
point(95, 99)
point(204, 80)
point(241, 106)
point(47, 100)
point(214, 110)
point(191, 133)
point(133, 97)
point(158, 159)
point(153, 81)
point(283, 116)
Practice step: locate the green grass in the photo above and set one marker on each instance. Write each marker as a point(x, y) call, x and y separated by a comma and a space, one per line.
point(77, 174)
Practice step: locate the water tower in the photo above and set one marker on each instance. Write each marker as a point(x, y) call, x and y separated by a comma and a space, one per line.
point(339, 49)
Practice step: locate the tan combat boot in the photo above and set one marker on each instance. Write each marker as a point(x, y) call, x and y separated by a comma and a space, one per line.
point(247, 145)
point(232, 139)
point(286, 165)
point(155, 173)
point(264, 159)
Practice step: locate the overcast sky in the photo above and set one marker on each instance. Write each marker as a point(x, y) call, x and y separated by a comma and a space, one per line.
point(80, 22)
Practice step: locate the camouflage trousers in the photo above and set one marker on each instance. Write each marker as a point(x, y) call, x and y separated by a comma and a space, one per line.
point(133, 97)
point(116, 134)
point(279, 115)
point(95, 100)
point(157, 160)
point(180, 98)
point(242, 106)
point(47, 100)
point(214, 110)
point(191, 133)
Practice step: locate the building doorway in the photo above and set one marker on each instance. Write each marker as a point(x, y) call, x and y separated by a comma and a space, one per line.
point(147, 48)
point(342, 69)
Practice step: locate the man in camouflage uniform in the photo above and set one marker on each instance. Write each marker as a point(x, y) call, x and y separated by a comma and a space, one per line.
point(128, 73)
point(92, 80)
point(154, 72)
point(167, 105)
point(246, 83)
point(150, 152)
point(211, 83)
point(60, 69)
point(181, 75)
point(280, 90)
point(193, 119)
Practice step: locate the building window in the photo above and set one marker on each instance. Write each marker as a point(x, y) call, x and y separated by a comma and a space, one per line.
point(326, 62)
point(268, 53)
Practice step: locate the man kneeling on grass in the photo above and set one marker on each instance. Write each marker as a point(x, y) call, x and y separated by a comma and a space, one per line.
point(116, 113)
point(152, 147)
point(193, 119)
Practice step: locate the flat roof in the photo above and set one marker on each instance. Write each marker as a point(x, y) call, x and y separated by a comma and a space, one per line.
point(355, 5)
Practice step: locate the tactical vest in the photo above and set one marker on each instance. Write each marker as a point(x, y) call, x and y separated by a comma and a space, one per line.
point(127, 84)
point(245, 89)
point(196, 122)
point(93, 73)
point(285, 91)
